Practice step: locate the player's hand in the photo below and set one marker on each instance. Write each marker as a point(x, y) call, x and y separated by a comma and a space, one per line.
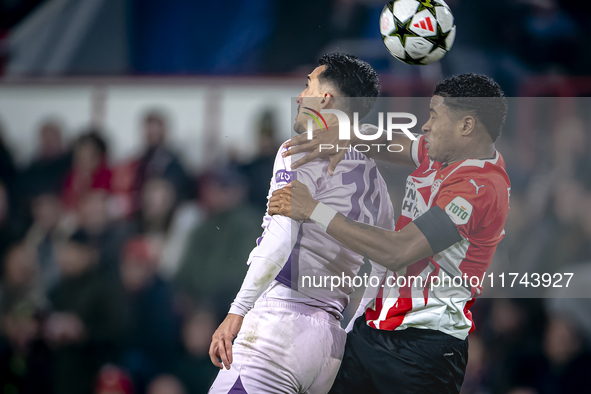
point(294, 201)
point(221, 341)
point(331, 147)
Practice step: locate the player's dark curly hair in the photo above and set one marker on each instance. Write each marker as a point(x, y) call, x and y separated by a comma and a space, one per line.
point(479, 95)
point(353, 78)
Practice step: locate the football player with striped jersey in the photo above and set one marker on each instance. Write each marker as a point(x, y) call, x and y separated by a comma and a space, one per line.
point(412, 337)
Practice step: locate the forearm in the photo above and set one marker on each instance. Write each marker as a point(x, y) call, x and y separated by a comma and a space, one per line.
point(265, 262)
point(371, 242)
point(261, 273)
point(393, 250)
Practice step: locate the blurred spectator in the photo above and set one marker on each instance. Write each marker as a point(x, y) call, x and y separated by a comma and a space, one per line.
point(166, 384)
point(7, 166)
point(476, 370)
point(122, 187)
point(564, 365)
point(259, 171)
point(20, 281)
point(157, 207)
point(106, 235)
point(88, 321)
point(25, 360)
point(89, 169)
point(506, 330)
point(166, 222)
point(48, 170)
point(548, 33)
point(48, 230)
point(152, 331)
point(214, 262)
point(113, 380)
point(193, 366)
point(553, 235)
point(8, 231)
point(159, 161)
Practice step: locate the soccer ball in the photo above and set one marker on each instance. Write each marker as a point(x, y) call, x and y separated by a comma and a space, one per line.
point(417, 32)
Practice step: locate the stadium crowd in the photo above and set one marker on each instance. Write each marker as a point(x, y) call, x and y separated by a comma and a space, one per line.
point(115, 277)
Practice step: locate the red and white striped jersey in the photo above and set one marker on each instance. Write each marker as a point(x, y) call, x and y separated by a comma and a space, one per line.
point(475, 194)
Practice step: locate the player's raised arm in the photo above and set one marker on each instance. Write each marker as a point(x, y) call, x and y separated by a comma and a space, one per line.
point(326, 144)
point(424, 237)
point(265, 261)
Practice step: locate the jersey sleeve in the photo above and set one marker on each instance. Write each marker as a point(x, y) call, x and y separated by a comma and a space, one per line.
point(277, 241)
point(470, 202)
point(418, 151)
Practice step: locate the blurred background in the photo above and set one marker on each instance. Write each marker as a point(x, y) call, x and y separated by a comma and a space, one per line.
point(137, 141)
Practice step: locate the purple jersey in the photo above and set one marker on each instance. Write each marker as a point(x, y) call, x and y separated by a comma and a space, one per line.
point(358, 191)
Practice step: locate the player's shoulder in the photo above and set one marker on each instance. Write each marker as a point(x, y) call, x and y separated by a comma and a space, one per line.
point(479, 187)
point(492, 171)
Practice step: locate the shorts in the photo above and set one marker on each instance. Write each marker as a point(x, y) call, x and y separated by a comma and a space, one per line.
point(284, 347)
point(406, 361)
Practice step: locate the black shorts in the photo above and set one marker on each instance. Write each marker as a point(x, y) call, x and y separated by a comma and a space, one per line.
point(407, 361)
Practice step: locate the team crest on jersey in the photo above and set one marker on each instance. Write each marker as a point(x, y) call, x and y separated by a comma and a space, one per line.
point(283, 176)
point(459, 210)
point(435, 185)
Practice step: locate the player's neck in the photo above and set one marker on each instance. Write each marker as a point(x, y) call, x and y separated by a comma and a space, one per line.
point(330, 125)
point(480, 152)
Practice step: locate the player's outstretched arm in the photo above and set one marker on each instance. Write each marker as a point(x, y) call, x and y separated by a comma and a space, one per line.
point(391, 249)
point(265, 261)
point(326, 144)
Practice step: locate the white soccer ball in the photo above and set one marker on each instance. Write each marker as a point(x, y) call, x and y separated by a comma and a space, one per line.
point(417, 32)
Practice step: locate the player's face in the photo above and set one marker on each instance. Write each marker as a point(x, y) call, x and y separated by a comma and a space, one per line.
point(310, 97)
point(442, 132)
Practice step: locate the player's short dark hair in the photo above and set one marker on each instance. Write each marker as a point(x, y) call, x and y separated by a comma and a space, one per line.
point(478, 94)
point(352, 77)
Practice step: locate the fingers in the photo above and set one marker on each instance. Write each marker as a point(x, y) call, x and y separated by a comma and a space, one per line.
point(299, 149)
point(334, 161)
point(297, 140)
point(214, 354)
point(280, 202)
point(286, 190)
point(228, 343)
point(273, 210)
point(223, 350)
point(279, 206)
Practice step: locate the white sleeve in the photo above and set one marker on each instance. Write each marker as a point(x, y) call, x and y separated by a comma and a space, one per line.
point(275, 245)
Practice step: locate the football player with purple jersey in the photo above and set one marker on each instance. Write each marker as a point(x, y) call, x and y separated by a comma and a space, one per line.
point(283, 333)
